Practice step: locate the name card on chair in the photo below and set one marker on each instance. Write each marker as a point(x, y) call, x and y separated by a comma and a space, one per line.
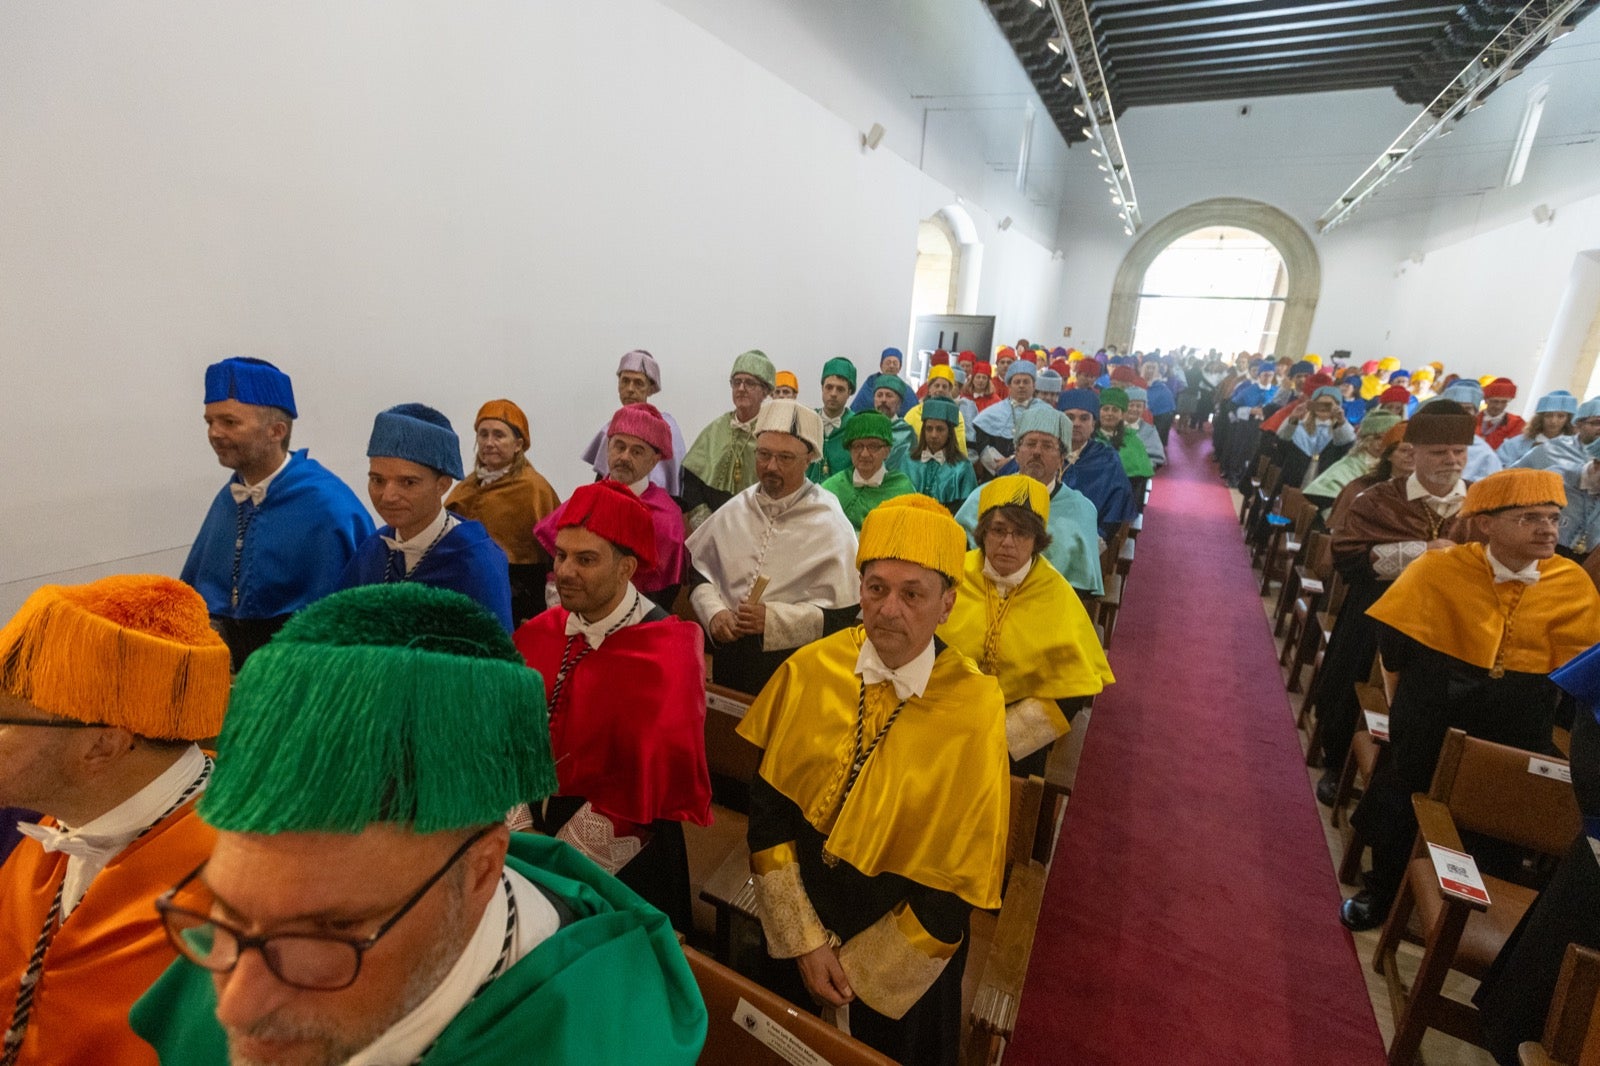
point(733, 708)
point(1558, 771)
point(1377, 725)
point(1458, 873)
point(784, 1044)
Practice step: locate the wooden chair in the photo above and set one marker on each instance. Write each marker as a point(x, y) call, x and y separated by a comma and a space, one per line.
point(1266, 496)
point(1485, 788)
point(1315, 553)
point(1248, 496)
point(1110, 601)
point(1303, 592)
point(1285, 543)
point(742, 1014)
point(1572, 1030)
point(993, 1016)
point(1060, 776)
point(719, 858)
point(1320, 631)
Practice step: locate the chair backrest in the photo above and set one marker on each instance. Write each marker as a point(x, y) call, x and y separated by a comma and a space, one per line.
point(1027, 800)
point(1271, 480)
point(742, 1013)
point(1262, 462)
point(1108, 558)
point(1492, 789)
point(1302, 518)
point(1290, 501)
point(1572, 1029)
point(1319, 556)
point(727, 753)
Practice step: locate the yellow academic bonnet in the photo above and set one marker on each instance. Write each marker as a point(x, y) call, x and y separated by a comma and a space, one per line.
point(917, 529)
point(1516, 487)
point(134, 650)
point(1018, 489)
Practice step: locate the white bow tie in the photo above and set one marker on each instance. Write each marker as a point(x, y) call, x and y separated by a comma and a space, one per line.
point(874, 674)
point(254, 493)
point(67, 842)
point(394, 545)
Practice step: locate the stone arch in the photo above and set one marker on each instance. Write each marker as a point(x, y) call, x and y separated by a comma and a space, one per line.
point(1300, 263)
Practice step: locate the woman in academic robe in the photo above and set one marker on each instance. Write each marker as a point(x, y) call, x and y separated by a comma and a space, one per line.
point(1019, 620)
point(509, 497)
point(937, 466)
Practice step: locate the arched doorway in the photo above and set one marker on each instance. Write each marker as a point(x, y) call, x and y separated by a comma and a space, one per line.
point(1219, 287)
point(1302, 270)
point(933, 290)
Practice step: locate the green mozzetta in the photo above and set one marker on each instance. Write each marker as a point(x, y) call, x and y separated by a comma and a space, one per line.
point(857, 502)
point(835, 453)
point(722, 456)
point(1135, 460)
point(612, 986)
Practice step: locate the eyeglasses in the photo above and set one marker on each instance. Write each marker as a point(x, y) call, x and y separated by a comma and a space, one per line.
point(1015, 536)
point(747, 384)
point(781, 458)
point(53, 723)
point(869, 444)
point(300, 960)
point(1535, 519)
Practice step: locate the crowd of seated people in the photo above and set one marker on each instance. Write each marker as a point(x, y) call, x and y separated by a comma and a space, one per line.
point(420, 791)
point(1459, 576)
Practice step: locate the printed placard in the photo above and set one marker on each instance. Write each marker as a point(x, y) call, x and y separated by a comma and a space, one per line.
point(1559, 771)
point(1311, 586)
point(1458, 873)
point(724, 705)
point(1377, 725)
point(783, 1043)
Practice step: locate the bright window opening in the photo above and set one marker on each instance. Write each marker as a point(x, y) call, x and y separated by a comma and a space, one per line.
point(1218, 287)
point(933, 292)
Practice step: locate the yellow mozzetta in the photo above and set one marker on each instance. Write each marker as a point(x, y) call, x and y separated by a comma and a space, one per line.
point(1449, 601)
point(804, 722)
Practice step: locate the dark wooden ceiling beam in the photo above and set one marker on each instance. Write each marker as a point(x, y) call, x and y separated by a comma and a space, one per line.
point(1128, 79)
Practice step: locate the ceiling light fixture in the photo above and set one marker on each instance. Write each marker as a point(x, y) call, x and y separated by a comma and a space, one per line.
point(1076, 42)
point(1500, 60)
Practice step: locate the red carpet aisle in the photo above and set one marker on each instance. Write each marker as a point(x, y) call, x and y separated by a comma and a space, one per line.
point(1191, 914)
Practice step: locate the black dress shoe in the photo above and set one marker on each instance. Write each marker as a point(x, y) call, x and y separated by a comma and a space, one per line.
point(1328, 788)
point(1364, 911)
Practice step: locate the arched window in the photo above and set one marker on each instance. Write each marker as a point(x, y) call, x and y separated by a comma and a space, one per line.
point(933, 292)
point(1302, 273)
point(1219, 287)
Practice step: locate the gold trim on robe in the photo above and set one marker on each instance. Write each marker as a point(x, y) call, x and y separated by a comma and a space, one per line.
point(931, 803)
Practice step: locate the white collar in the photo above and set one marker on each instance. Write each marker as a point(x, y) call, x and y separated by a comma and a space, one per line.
point(415, 548)
point(415, 1033)
point(489, 477)
point(1494, 420)
point(749, 427)
point(830, 424)
point(95, 843)
point(931, 457)
point(773, 508)
point(1528, 575)
point(638, 487)
point(1006, 584)
point(874, 481)
point(630, 610)
point(909, 680)
point(1415, 490)
point(242, 491)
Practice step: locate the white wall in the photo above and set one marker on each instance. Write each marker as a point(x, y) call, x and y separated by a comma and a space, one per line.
point(410, 201)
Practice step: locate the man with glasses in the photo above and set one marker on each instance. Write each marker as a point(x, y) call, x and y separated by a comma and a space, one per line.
point(1074, 548)
point(868, 482)
point(771, 570)
point(1468, 637)
point(365, 903)
point(722, 460)
point(104, 689)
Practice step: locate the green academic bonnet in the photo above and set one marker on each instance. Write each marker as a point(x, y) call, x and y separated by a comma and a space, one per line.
point(397, 703)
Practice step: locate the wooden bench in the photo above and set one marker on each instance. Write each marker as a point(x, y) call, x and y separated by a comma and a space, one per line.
point(750, 1026)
